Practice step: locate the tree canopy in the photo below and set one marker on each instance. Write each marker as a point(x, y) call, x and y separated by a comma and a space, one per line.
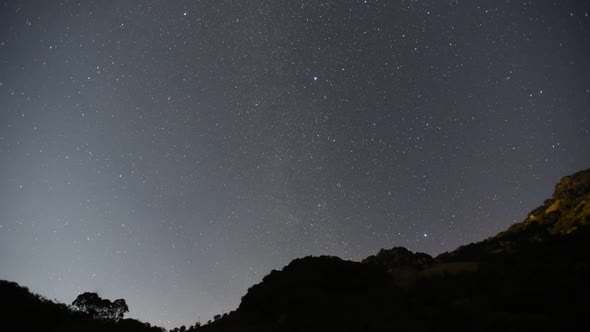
point(97, 307)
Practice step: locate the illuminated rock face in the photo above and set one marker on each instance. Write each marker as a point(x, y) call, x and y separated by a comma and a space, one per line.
point(567, 213)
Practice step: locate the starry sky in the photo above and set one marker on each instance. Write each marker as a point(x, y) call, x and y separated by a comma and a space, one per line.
point(172, 153)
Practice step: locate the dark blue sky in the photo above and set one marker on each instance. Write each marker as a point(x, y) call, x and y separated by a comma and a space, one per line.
point(173, 153)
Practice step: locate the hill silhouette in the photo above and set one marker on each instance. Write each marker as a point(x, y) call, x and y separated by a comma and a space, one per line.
point(21, 310)
point(532, 277)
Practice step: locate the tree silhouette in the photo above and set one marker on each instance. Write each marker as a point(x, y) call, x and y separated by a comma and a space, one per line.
point(119, 308)
point(100, 308)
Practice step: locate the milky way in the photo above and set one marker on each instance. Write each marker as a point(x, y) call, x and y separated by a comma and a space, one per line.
point(173, 153)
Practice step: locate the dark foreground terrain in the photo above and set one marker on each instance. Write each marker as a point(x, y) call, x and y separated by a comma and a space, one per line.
point(532, 277)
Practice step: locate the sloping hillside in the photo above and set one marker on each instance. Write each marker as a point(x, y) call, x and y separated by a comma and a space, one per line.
point(21, 310)
point(564, 217)
point(533, 276)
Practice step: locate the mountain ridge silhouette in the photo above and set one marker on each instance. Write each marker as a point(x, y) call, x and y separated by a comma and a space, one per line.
point(532, 276)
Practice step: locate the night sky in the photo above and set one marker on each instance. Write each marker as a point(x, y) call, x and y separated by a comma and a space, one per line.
point(173, 153)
